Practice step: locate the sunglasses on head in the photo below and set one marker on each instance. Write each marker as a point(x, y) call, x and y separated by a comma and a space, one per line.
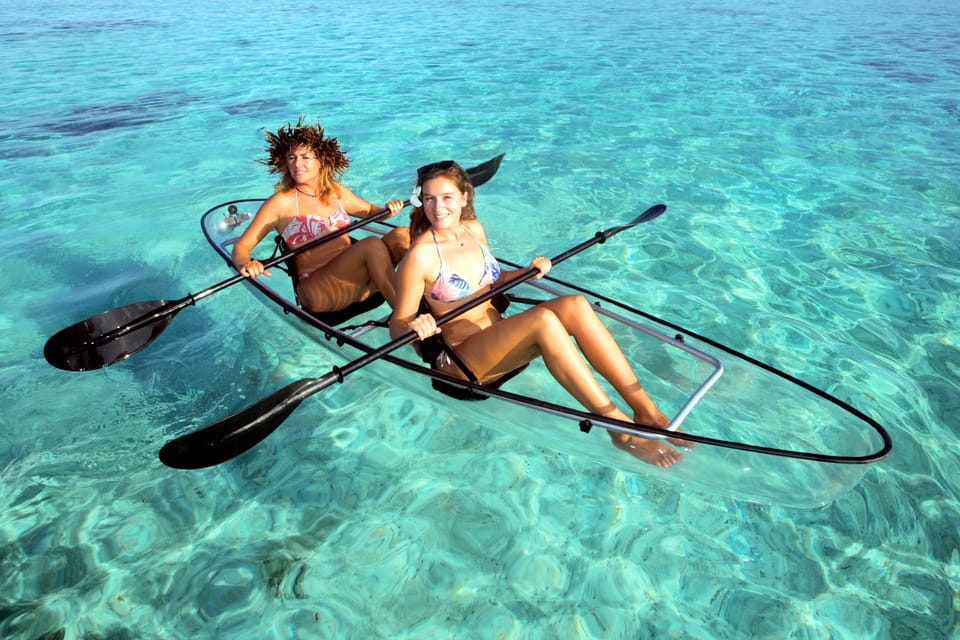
point(427, 169)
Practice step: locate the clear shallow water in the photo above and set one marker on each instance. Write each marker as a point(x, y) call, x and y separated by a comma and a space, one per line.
point(808, 155)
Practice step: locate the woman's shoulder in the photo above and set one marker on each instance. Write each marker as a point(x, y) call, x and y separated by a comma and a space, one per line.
point(280, 198)
point(421, 243)
point(421, 253)
point(277, 206)
point(341, 191)
point(347, 198)
point(475, 228)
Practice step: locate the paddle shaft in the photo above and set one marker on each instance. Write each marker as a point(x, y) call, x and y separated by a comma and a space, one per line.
point(337, 374)
point(235, 434)
point(175, 306)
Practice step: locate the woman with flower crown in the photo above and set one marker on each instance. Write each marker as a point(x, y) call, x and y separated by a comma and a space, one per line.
point(449, 264)
point(308, 203)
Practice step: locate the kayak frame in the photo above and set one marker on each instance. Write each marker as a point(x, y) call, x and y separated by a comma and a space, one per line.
point(586, 420)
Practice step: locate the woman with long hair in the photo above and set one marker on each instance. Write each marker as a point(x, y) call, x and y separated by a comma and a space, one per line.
point(449, 263)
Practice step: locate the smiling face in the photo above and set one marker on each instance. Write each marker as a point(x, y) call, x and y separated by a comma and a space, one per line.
point(449, 189)
point(323, 159)
point(443, 202)
point(302, 165)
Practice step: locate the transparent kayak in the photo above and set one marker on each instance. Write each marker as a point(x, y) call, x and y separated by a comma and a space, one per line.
point(761, 435)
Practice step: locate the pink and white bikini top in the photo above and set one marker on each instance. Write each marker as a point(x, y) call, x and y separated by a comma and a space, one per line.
point(450, 286)
point(304, 228)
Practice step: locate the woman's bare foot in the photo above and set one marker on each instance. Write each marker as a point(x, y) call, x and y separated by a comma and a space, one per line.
point(651, 451)
point(680, 442)
point(662, 422)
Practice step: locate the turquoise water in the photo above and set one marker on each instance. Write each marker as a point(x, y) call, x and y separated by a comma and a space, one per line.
point(808, 154)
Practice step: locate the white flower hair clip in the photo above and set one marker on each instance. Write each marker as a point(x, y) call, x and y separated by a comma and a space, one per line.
point(415, 197)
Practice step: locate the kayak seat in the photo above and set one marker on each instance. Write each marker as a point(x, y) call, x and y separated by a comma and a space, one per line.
point(332, 318)
point(432, 347)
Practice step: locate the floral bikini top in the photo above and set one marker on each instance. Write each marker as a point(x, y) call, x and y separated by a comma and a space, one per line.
point(305, 228)
point(450, 287)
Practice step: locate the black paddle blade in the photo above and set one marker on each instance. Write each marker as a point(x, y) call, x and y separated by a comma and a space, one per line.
point(651, 213)
point(80, 346)
point(235, 434)
point(482, 173)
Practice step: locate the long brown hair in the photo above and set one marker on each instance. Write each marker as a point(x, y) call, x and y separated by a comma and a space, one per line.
point(446, 169)
point(333, 162)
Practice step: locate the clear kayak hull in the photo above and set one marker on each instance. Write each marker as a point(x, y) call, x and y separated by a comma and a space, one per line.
point(760, 434)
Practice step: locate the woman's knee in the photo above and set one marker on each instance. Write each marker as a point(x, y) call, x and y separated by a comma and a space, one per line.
point(398, 243)
point(546, 322)
point(570, 308)
point(574, 310)
point(576, 304)
point(373, 249)
point(375, 245)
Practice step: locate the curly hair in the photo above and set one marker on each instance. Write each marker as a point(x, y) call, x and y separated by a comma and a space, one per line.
point(332, 160)
point(446, 169)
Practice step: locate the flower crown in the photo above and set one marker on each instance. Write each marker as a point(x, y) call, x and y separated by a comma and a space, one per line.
point(290, 137)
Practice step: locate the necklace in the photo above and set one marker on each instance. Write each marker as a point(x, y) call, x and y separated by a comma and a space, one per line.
point(456, 237)
point(312, 195)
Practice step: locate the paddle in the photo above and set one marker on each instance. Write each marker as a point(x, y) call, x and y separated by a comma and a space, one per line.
point(239, 432)
point(115, 335)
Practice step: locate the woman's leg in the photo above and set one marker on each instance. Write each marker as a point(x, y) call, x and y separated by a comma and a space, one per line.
point(365, 266)
point(603, 352)
point(398, 243)
point(515, 341)
point(606, 356)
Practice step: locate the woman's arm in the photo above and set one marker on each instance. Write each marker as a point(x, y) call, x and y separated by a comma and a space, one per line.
point(259, 227)
point(411, 285)
point(357, 206)
point(540, 263)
